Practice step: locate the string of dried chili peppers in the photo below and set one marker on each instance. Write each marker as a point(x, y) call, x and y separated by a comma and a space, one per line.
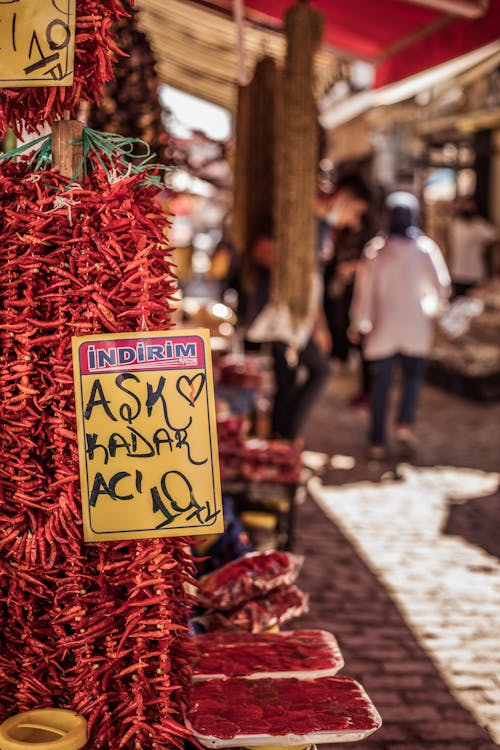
point(95, 48)
point(97, 628)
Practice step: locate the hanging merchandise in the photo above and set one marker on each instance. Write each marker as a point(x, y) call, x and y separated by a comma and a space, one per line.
point(47, 56)
point(130, 104)
point(255, 160)
point(298, 154)
point(96, 628)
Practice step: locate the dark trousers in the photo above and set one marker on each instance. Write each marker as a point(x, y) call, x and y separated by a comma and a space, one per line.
point(382, 376)
point(366, 379)
point(459, 289)
point(337, 317)
point(294, 399)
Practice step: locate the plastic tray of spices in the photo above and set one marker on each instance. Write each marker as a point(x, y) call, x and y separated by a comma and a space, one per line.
point(239, 712)
point(294, 653)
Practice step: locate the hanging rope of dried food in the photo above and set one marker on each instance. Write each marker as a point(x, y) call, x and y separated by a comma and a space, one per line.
point(298, 156)
point(97, 628)
point(27, 109)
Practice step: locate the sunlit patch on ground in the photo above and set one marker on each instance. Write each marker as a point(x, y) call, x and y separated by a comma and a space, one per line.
point(447, 588)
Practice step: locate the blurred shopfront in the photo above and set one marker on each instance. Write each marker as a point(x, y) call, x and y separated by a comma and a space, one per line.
point(441, 143)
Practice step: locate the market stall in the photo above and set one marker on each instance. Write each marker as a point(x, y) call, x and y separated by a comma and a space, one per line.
point(252, 687)
point(110, 463)
point(97, 629)
point(466, 355)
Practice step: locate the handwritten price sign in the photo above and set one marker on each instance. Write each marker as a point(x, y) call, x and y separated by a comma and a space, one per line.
point(147, 435)
point(37, 42)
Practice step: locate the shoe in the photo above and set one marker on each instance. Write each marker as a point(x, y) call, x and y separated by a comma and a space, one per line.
point(406, 436)
point(406, 440)
point(376, 453)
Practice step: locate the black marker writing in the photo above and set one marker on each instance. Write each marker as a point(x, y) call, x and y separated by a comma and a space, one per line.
point(127, 413)
point(98, 398)
point(110, 489)
point(173, 498)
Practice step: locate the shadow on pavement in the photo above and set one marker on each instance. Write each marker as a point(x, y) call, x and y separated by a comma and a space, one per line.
point(477, 521)
point(417, 709)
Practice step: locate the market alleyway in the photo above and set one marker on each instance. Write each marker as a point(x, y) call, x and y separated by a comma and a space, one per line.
point(406, 570)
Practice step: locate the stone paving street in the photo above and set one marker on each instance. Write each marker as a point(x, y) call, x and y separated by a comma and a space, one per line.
point(416, 609)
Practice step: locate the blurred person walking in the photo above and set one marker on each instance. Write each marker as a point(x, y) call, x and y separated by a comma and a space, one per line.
point(469, 238)
point(224, 268)
point(344, 228)
point(401, 285)
point(305, 345)
point(301, 351)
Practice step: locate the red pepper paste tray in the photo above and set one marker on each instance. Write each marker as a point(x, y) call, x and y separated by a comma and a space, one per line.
point(259, 614)
point(238, 712)
point(250, 575)
point(295, 653)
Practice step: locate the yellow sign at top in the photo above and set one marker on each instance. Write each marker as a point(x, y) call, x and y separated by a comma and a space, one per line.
point(37, 42)
point(147, 435)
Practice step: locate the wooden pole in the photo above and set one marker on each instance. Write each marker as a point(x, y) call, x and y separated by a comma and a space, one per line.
point(239, 15)
point(66, 157)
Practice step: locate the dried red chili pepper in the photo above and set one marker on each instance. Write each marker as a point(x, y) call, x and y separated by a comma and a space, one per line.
point(58, 597)
point(95, 48)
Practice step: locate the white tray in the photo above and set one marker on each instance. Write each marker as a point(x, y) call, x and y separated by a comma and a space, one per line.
point(316, 738)
point(273, 740)
point(306, 674)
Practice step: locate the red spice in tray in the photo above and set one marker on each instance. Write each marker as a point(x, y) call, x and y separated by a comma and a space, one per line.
point(259, 614)
point(248, 576)
point(258, 460)
point(239, 654)
point(228, 708)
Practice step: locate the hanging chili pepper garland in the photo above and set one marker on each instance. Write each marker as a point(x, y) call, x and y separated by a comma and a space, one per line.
point(95, 48)
point(100, 629)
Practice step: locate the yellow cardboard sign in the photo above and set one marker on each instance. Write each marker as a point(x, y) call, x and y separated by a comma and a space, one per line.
point(147, 435)
point(37, 42)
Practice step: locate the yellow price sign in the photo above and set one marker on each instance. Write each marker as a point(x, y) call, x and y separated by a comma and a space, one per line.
point(147, 435)
point(37, 42)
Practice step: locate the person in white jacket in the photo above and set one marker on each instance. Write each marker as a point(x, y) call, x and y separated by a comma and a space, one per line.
point(469, 236)
point(400, 286)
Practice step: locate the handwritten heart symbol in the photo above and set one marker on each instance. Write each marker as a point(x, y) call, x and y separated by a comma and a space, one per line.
point(190, 388)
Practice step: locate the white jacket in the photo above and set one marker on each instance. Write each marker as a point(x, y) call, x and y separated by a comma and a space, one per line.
point(468, 242)
point(401, 284)
point(275, 323)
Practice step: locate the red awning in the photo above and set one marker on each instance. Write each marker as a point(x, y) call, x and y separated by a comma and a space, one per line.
point(400, 37)
point(456, 38)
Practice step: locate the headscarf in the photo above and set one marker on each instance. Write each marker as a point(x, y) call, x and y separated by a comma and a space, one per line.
point(403, 214)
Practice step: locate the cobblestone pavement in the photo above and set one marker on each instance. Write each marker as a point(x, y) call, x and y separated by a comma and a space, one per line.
point(416, 610)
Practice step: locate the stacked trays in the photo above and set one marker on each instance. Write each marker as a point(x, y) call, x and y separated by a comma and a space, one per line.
point(240, 712)
point(280, 689)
